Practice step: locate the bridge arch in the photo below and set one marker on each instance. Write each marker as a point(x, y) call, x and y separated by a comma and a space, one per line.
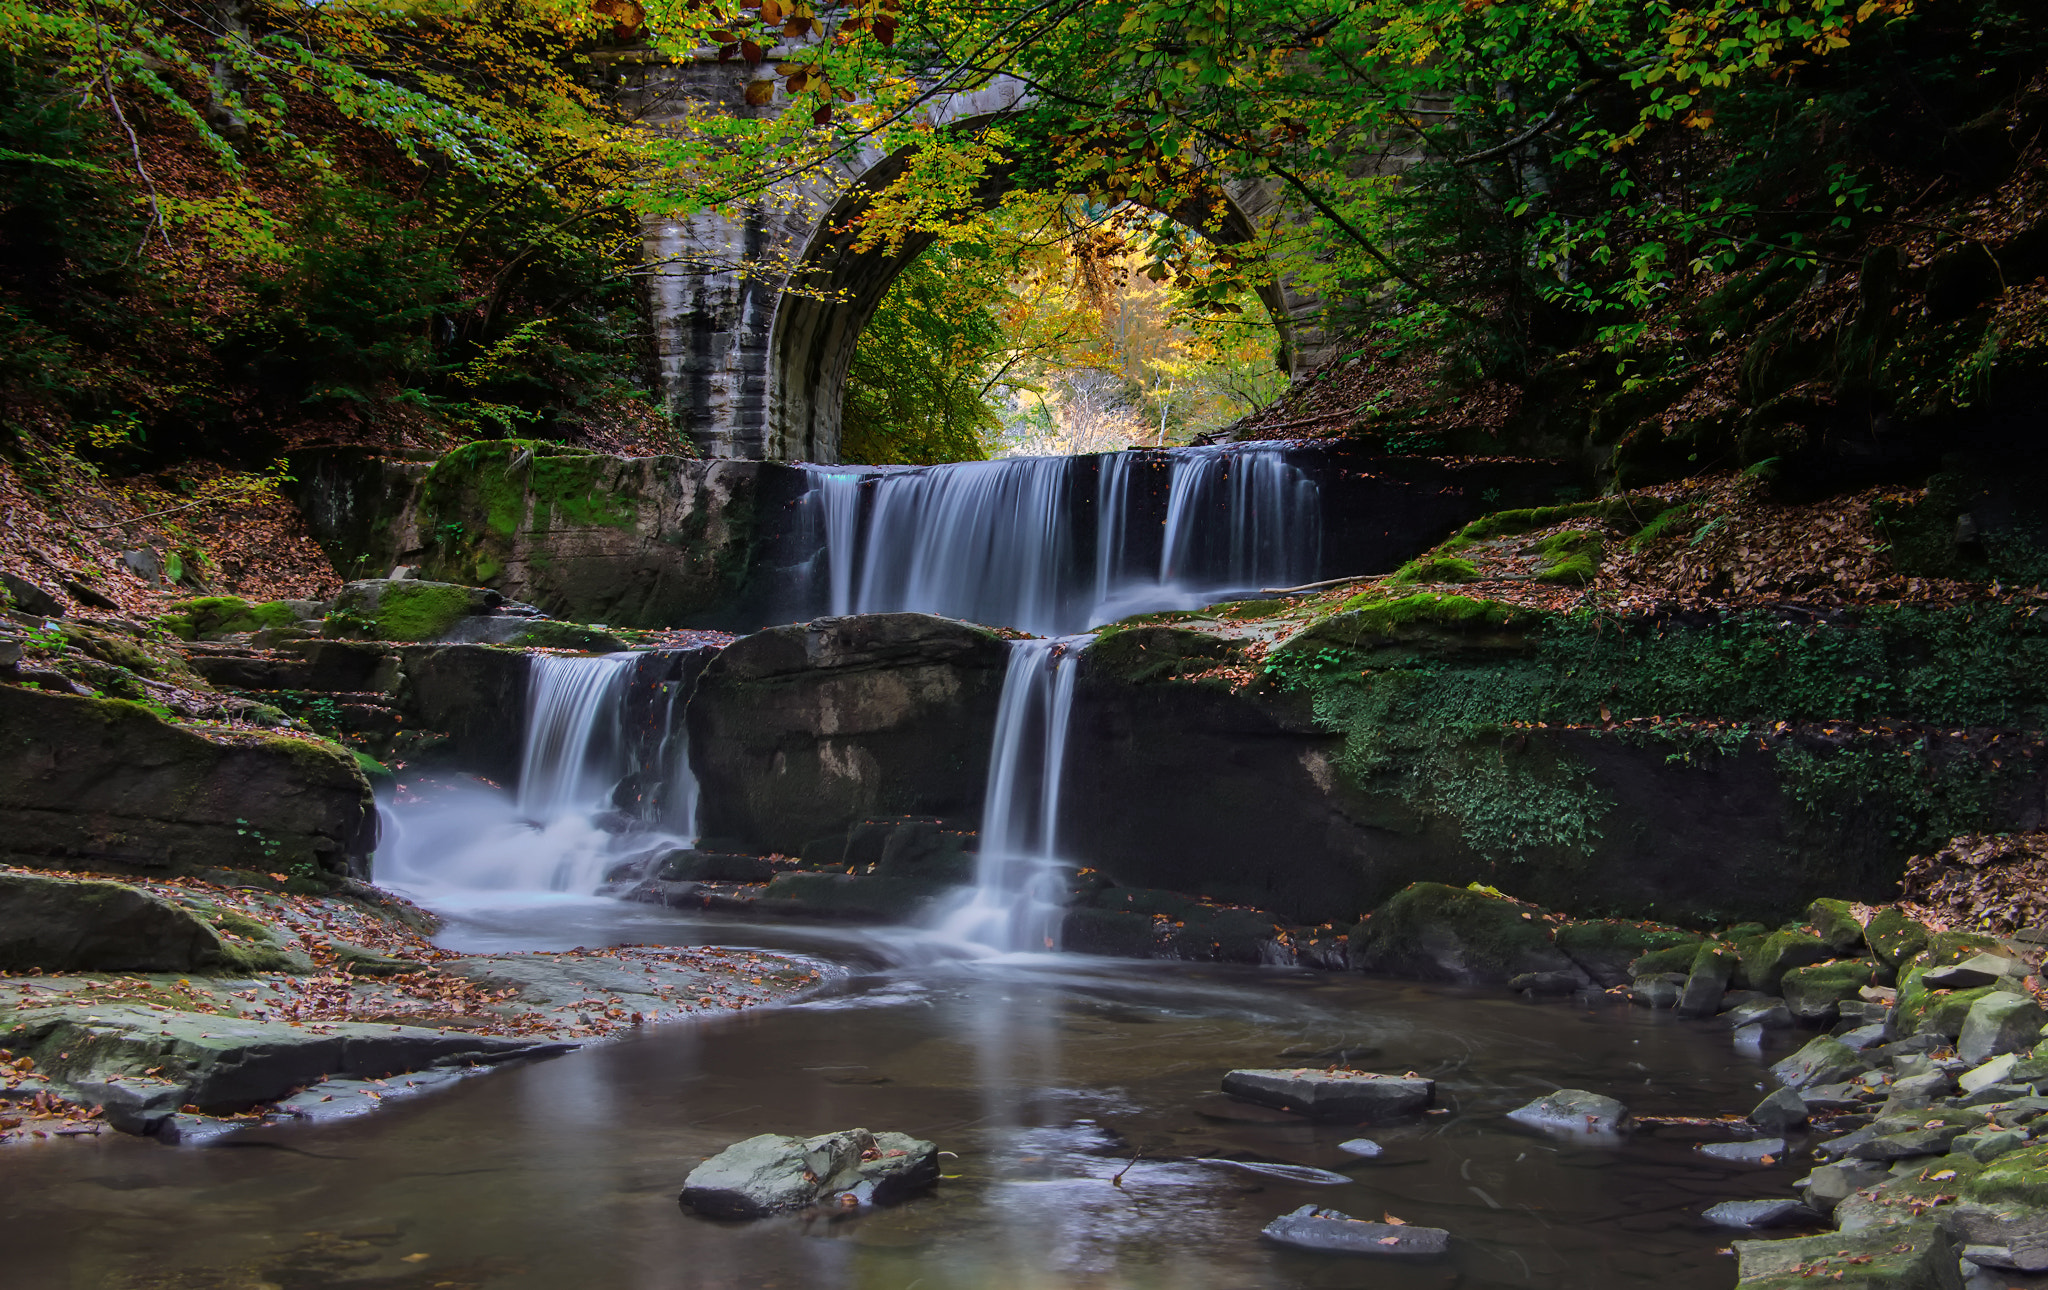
point(751, 369)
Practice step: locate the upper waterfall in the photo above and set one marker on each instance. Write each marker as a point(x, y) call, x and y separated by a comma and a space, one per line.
point(1052, 545)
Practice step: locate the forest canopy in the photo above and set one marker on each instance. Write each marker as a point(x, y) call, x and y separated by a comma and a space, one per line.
point(229, 228)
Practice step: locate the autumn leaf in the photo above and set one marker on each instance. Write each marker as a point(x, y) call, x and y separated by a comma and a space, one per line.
point(760, 93)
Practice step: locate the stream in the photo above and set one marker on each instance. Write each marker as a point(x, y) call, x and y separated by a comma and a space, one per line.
point(1046, 1075)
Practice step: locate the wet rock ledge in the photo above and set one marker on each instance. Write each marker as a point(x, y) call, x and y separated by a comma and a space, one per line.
point(181, 1008)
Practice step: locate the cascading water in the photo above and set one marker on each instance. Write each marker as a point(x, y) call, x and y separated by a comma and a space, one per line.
point(1010, 542)
point(560, 831)
point(1016, 903)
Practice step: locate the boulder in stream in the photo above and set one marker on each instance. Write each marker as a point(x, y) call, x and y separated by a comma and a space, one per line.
point(1435, 932)
point(1345, 1096)
point(72, 925)
point(1573, 1111)
point(772, 1173)
point(1330, 1231)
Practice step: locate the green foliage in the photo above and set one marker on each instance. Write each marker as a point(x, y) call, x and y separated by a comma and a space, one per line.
point(918, 389)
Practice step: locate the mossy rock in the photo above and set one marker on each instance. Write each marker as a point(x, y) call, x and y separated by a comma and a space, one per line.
point(1894, 937)
point(1675, 958)
point(1921, 1011)
point(2019, 1178)
point(1766, 959)
point(1370, 621)
point(1815, 993)
point(1605, 948)
point(211, 617)
point(1945, 948)
point(406, 609)
point(546, 633)
point(1142, 654)
point(839, 895)
point(1434, 568)
point(1834, 921)
point(1571, 557)
point(1439, 933)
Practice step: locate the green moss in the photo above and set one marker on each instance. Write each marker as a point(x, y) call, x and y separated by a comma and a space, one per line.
point(1894, 937)
point(2020, 1177)
point(1143, 654)
point(419, 611)
point(1621, 938)
point(1434, 569)
point(207, 617)
point(1675, 522)
point(546, 633)
point(1571, 557)
point(1673, 958)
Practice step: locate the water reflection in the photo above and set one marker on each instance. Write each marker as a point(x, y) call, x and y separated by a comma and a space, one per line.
point(1079, 1096)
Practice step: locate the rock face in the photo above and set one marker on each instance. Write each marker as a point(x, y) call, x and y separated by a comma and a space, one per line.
point(64, 925)
point(1330, 1231)
point(625, 541)
point(1349, 1097)
point(801, 733)
point(773, 1173)
point(104, 784)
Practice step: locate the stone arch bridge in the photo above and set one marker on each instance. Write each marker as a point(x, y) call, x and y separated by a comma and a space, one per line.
point(751, 370)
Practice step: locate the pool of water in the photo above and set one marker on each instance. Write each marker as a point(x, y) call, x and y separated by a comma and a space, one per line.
point(1078, 1097)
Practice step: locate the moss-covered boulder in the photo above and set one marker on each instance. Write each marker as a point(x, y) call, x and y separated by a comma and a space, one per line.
point(56, 924)
point(1921, 1011)
point(1815, 993)
point(1894, 937)
point(1434, 932)
point(1604, 948)
point(406, 609)
point(105, 784)
point(1766, 959)
point(1834, 921)
point(1671, 959)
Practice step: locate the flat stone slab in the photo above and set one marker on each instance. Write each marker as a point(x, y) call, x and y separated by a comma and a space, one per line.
point(1573, 1111)
point(1329, 1231)
point(1350, 1096)
point(773, 1173)
point(1753, 1152)
point(1760, 1213)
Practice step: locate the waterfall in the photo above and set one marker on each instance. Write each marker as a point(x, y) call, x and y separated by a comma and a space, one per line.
point(571, 760)
point(1018, 898)
point(559, 832)
point(1005, 542)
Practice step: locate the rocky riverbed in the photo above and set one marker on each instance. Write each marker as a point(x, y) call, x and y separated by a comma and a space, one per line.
point(180, 1008)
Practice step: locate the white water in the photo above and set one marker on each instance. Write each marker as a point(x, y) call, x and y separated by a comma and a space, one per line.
point(1018, 898)
point(559, 833)
point(996, 541)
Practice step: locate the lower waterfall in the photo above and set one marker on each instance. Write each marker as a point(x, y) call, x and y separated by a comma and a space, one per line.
point(1018, 897)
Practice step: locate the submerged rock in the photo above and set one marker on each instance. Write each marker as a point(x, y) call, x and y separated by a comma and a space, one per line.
point(1333, 1232)
point(772, 1173)
point(1348, 1096)
point(1572, 1111)
point(1365, 1148)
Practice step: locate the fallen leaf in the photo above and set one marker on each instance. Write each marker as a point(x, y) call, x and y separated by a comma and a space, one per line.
point(1391, 1221)
point(415, 1258)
